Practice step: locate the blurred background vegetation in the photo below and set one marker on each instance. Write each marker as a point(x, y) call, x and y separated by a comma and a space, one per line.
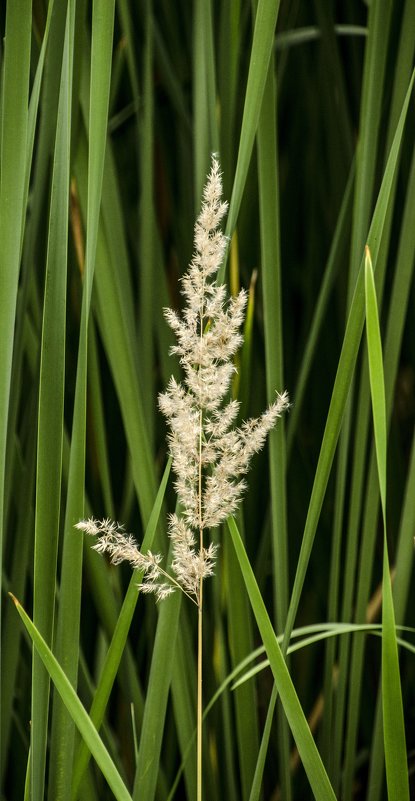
point(101, 180)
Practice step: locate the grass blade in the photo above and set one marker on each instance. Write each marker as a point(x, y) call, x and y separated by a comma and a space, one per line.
point(344, 376)
point(50, 424)
point(71, 573)
point(310, 757)
point(262, 45)
point(75, 708)
point(268, 174)
point(148, 762)
point(393, 720)
point(119, 640)
point(15, 95)
point(13, 150)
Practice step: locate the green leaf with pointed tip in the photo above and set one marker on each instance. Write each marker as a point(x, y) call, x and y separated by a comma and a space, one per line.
point(75, 709)
point(307, 749)
point(393, 720)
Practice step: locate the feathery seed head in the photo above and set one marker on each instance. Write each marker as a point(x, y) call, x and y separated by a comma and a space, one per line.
point(210, 457)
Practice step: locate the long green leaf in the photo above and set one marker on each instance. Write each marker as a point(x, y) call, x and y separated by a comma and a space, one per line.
point(262, 45)
point(148, 761)
point(268, 175)
point(13, 145)
point(374, 69)
point(50, 423)
point(364, 506)
point(393, 720)
point(344, 376)
point(75, 709)
point(71, 573)
point(310, 757)
point(377, 382)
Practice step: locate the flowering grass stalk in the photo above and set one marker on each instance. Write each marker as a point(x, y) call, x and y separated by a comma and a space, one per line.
point(210, 457)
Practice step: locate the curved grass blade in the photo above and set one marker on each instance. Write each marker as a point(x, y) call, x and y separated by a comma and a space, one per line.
point(75, 709)
point(366, 155)
point(393, 720)
point(397, 313)
point(317, 633)
point(310, 757)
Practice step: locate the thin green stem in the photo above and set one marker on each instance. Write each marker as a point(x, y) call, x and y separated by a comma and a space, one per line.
point(199, 690)
point(200, 610)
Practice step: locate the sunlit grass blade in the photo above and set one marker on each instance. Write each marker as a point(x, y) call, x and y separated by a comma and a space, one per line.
point(377, 383)
point(364, 506)
point(393, 721)
point(310, 757)
point(76, 710)
point(366, 156)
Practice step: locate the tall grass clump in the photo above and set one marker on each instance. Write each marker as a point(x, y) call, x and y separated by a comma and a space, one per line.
point(289, 673)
